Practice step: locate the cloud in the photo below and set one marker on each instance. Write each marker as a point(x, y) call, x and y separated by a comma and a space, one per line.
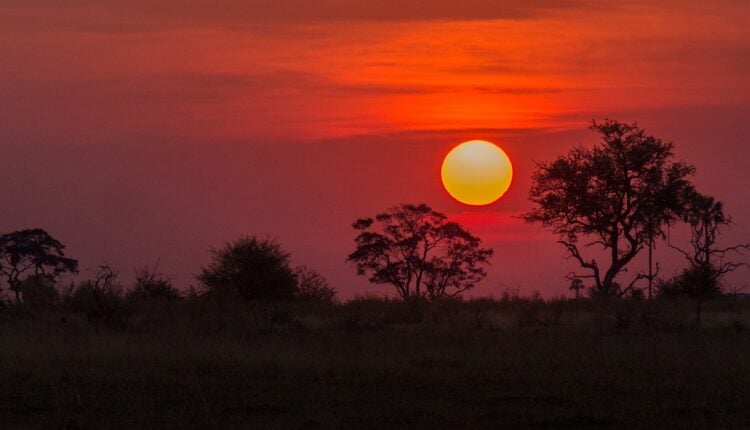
point(82, 14)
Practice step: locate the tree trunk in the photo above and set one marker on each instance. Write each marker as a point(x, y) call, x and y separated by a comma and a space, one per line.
point(698, 309)
point(15, 286)
point(650, 265)
point(609, 277)
point(608, 282)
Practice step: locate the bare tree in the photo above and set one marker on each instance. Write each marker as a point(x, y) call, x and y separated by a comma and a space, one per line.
point(618, 196)
point(708, 262)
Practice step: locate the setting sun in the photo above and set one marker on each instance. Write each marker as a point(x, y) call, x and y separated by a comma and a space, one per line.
point(477, 172)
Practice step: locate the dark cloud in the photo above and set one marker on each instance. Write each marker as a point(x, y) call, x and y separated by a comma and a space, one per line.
point(122, 15)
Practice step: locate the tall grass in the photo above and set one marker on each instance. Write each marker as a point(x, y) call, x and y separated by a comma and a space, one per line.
point(378, 363)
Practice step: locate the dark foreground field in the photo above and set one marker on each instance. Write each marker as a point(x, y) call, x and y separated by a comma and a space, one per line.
point(373, 364)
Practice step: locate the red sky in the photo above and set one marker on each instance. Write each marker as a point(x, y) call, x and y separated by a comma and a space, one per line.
point(135, 132)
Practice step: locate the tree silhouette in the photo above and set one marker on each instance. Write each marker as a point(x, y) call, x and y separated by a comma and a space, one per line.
point(100, 298)
point(576, 285)
point(708, 262)
point(618, 195)
point(252, 268)
point(312, 286)
point(419, 252)
point(32, 252)
point(150, 283)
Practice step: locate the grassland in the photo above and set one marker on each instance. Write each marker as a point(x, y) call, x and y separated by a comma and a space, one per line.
point(379, 364)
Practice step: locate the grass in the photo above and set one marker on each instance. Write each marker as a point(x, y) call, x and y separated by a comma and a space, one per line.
point(380, 364)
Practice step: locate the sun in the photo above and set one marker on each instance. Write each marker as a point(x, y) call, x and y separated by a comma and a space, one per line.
point(477, 173)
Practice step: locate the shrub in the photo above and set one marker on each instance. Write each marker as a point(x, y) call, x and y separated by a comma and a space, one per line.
point(102, 299)
point(694, 282)
point(152, 284)
point(251, 267)
point(312, 286)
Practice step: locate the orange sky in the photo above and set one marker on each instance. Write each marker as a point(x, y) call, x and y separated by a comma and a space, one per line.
point(143, 120)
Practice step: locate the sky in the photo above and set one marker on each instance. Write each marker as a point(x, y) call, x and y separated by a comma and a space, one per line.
point(138, 132)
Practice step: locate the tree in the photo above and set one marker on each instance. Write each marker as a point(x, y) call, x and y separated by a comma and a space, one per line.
point(708, 262)
point(576, 285)
point(618, 195)
point(252, 268)
point(419, 252)
point(32, 252)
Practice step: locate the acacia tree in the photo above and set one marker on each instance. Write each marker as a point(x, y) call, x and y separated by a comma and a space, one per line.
point(32, 252)
point(419, 252)
point(618, 195)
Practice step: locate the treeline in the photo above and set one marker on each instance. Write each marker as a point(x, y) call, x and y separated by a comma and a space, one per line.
point(251, 285)
point(621, 196)
point(249, 270)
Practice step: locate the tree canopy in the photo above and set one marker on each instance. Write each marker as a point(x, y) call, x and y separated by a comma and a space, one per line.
point(419, 252)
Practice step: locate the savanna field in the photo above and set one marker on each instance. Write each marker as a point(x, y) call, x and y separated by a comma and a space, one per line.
point(376, 363)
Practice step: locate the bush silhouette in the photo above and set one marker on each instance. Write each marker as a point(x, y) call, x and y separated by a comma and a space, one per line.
point(251, 268)
point(101, 299)
point(312, 286)
point(152, 284)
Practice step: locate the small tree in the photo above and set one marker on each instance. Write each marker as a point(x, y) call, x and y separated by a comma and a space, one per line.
point(618, 195)
point(576, 285)
point(252, 268)
point(419, 252)
point(32, 252)
point(708, 262)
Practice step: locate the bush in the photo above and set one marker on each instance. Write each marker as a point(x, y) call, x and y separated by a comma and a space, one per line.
point(253, 268)
point(152, 284)
point(102, 299)
point(694, 282)
point(312, 286)
point(256, 269)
